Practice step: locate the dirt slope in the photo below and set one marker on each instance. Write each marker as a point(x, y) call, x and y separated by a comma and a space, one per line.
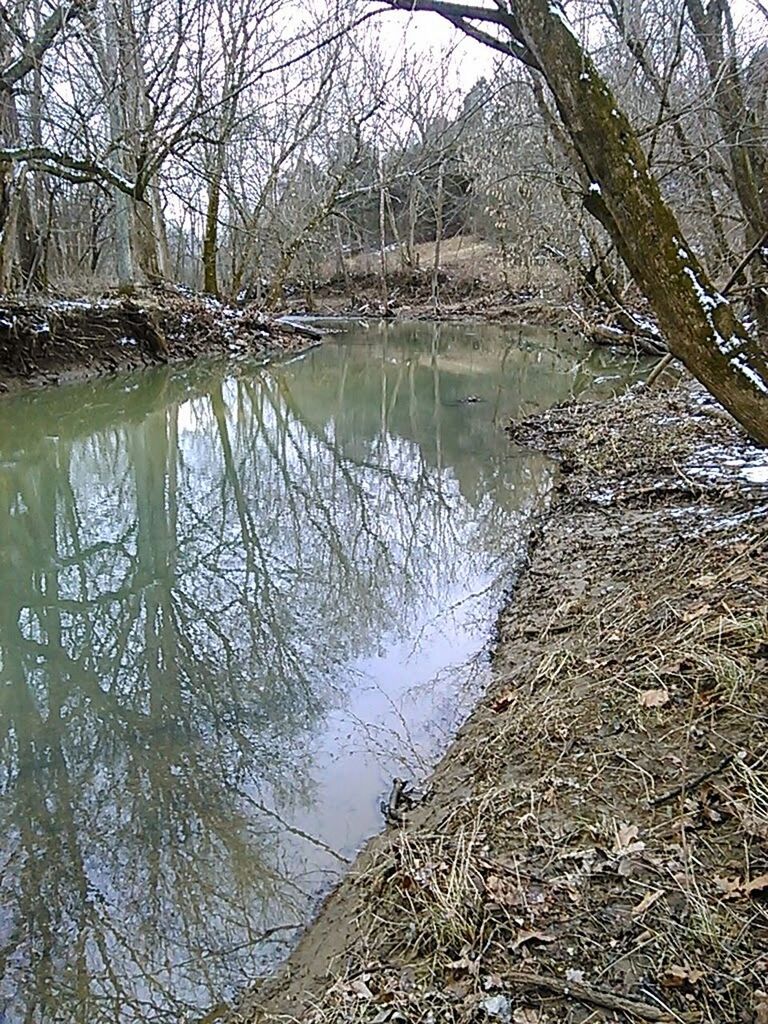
point(54, 341)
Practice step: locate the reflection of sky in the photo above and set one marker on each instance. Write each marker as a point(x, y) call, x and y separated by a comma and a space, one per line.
point(237, 614)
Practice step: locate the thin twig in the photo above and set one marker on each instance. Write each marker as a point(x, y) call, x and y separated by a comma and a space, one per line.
point(687, 787)
point(743, 263)
point(659, 368)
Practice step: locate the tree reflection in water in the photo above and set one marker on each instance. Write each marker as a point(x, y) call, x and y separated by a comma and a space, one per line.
point(222, 599)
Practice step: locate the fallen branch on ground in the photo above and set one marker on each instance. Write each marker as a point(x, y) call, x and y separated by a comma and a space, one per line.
point(596, 996)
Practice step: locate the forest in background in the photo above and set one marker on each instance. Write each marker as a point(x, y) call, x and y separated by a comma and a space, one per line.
point(242, 147)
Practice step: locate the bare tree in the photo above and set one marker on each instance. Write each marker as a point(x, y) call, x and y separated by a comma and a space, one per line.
point(701, 327)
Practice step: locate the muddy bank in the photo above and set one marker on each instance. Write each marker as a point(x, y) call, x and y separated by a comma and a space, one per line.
point(594, 845)
point(409, 294)
point(52, 342)
point(460, 297)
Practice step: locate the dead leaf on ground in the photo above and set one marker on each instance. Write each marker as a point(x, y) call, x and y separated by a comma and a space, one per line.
point(676, 976)
point(761, 1007)
point(527, 1015)
point(653, 698)
point(532, 936)
point(731, 888)
point(759, 884)
point(647, 902)
point(504, 700)
point(389, 1016)
point(503, 892)
point(359, 988)
point(626, 840)
point(698, 611)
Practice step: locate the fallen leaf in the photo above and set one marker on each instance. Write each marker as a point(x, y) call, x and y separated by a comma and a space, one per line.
point(759, 884)
point(504, 700)
point(500, 891)
point(625, 834)
point(676, 976)
point(390, 1016)
point(493, 981)
point(465, 965)
point(646, 902)
point(527, 1015)
point(730, 887)
point(360, 989)
point(653, 698)
point(532, 936)
point(696, 612)
point(626, 840)
point(761, 1007)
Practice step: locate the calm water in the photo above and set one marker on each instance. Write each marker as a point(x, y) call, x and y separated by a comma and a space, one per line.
point(233, 604)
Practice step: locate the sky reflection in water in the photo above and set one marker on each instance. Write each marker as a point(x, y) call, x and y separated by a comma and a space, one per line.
point(232, 607)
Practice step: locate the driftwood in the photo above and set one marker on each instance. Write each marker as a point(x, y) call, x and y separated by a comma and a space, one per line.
point(646, 341)
point(306, 330)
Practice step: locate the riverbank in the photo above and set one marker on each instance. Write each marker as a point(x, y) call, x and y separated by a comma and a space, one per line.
point(594, 845)
point(64, 340)
point(546, 298)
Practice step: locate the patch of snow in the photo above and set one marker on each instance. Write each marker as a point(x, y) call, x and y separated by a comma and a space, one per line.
point(729, 463)
point(557, 10)
point(706, 301)
point(739, 362)
point(757, 474)
point(647, 325)
point(498, 1008)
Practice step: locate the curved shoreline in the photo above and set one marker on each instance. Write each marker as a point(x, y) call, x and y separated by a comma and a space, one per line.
point(541, 856)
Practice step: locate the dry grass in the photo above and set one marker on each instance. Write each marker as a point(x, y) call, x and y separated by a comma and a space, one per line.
point(596, 844)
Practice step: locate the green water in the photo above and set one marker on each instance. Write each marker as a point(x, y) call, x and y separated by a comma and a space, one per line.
point(234, 602)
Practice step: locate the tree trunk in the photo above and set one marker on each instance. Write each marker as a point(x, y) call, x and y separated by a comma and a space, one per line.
point(122, 202)
point(211, 236)
point(700, 326)
point(744, 137)
point(383, 237)
point(439, 201)
point(146, 241)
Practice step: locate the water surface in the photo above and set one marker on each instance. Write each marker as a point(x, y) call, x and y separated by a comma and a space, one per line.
point(234, 603)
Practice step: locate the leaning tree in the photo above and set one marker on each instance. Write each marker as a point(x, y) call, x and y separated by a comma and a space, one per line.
point(700, 325)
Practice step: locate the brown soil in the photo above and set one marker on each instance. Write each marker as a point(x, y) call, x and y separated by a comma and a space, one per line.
point(546, 297)
point(410, 297)
point(47, 343)
point(594, 845)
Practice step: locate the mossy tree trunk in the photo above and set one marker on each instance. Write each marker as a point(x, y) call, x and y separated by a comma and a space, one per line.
point(744, 136)
point(700, 325)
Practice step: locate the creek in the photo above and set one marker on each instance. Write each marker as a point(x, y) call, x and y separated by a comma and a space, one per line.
point(235, 601)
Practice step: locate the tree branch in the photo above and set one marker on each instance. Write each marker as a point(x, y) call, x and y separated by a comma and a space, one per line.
point(461, 17)
point(33, 52)
point(53, 163)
